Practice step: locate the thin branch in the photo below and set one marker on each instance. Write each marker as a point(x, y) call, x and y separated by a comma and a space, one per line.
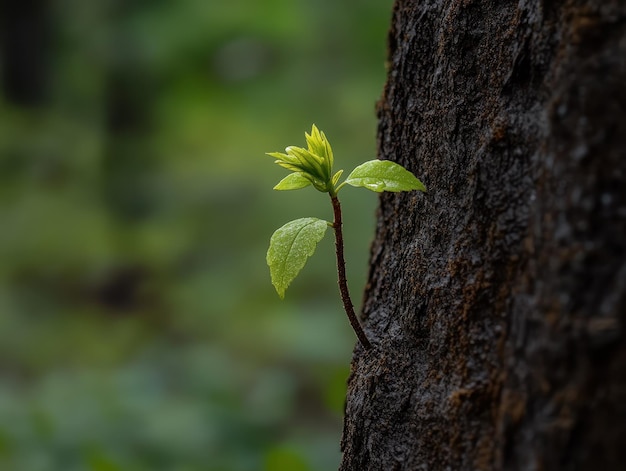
point(341, 272)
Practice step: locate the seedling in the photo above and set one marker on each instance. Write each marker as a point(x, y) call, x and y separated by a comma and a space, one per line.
point(292, 244)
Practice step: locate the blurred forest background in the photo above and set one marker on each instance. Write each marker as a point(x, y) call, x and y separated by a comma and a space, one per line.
point(139, 330)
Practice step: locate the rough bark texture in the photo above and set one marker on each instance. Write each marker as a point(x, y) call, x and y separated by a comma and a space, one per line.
point(497, 302)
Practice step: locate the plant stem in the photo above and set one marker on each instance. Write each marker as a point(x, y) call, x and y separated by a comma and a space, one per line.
point(341, 272)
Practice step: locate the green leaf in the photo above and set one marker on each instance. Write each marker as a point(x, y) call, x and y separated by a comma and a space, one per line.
point(293, 181)
point(336, 177)
point(319, 145)
point(315, 163)
point(384, 175)
point(310, 163)
point(290, 246)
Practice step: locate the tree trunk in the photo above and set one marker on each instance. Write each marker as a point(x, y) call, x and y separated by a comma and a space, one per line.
point(496, 302)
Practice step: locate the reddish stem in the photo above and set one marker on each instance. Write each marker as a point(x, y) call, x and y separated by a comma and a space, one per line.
point(341, 271)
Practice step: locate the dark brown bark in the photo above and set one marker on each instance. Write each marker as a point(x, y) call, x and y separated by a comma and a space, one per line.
point(496, 302)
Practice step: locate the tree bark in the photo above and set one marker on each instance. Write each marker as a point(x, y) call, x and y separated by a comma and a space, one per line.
point(496, 302)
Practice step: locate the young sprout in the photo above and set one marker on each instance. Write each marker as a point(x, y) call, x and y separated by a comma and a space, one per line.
point(293, 243)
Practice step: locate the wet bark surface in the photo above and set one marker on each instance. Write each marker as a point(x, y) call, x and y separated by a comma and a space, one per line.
point(496, 302)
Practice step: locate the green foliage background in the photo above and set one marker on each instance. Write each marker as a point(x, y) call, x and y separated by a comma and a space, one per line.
point(138, 326)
